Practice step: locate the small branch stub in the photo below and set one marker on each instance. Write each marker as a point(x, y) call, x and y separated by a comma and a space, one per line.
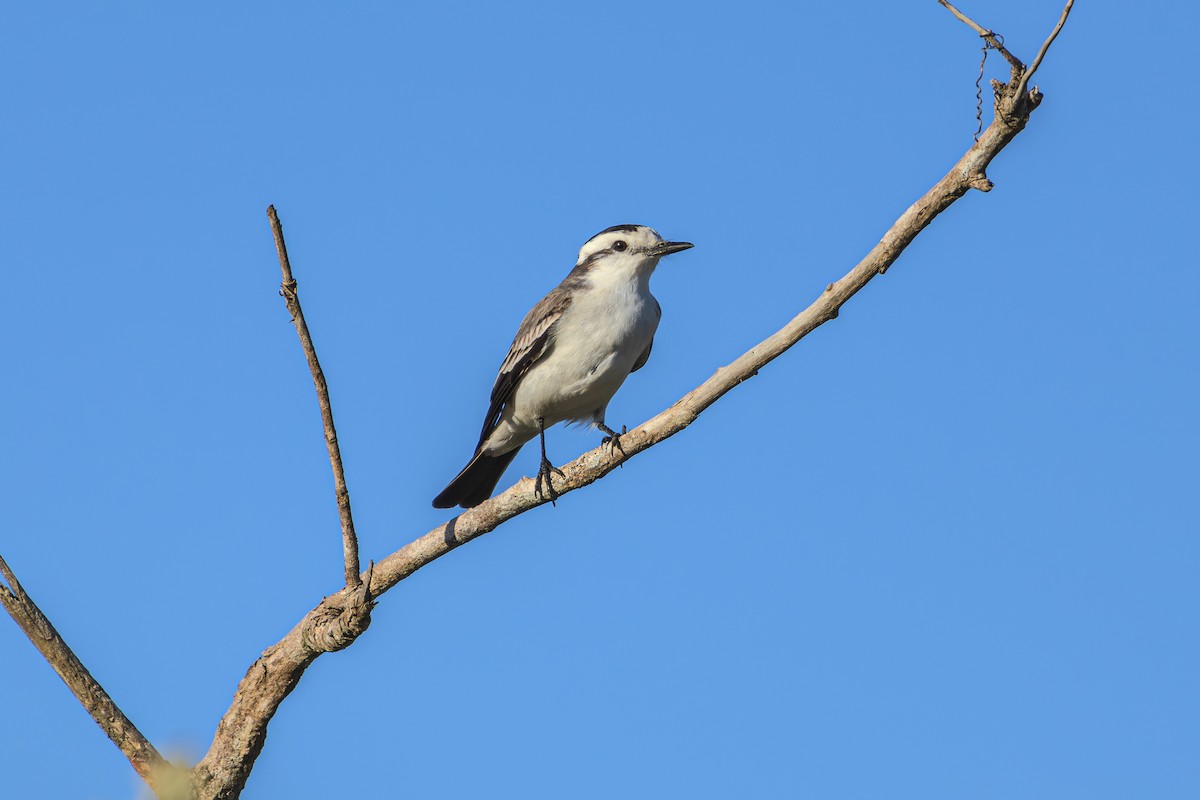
point(980, 182)
point(340, 619)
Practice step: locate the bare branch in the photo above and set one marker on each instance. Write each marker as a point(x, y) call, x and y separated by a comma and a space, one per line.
point(142, 755)
point(1037, 61)
point(989, 37)
point(289, 293)
point(333, 625)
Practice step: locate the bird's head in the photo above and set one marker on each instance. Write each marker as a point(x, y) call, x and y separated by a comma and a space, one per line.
point(621, 248)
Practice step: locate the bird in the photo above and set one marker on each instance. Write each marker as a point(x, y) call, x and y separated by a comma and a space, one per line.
point(572, 352)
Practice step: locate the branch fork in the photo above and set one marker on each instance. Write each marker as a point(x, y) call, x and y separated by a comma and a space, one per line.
point(338, 620)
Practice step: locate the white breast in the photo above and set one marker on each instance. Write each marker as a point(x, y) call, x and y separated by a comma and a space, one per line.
point(596, 343)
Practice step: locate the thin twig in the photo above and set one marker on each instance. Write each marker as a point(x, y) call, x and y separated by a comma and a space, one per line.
point(987, 35)
point(1037, 61)
point(145, 759)
point(288, 290)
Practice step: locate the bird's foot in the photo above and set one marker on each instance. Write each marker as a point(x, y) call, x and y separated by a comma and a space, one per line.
point(613, 439)
point(544, 474)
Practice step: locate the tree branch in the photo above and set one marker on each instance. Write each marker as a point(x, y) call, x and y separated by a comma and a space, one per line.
point(1037, 61)
point(340, 618)
point(289, 293)
point(333, 625)
point(142, 755)
point(989, 37)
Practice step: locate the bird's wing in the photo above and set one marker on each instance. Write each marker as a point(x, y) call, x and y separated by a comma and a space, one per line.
point(645, 356)
point(528, 346)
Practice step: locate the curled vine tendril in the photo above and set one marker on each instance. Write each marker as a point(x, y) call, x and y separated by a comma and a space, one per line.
point(979, 80)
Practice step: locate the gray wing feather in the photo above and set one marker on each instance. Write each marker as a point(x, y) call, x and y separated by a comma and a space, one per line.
point(528, 346)
point(645, 356)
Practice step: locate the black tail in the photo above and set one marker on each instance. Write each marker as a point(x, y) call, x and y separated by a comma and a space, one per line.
point(476, 482)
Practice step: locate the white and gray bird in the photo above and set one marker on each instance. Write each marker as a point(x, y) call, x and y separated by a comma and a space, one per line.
point(572, 352)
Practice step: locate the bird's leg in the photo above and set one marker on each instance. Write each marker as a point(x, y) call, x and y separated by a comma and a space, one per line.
point(612, 439)
point(545, 469)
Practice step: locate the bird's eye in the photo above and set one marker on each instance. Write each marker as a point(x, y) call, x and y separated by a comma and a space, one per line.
point(620, 246)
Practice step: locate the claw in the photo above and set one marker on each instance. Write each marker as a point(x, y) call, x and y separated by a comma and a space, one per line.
point(545, 472)
point(613, 439)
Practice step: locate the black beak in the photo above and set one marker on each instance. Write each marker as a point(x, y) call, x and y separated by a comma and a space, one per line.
point(666, 248)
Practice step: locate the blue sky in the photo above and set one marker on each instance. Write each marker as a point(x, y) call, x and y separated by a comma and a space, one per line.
point(946, 547)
